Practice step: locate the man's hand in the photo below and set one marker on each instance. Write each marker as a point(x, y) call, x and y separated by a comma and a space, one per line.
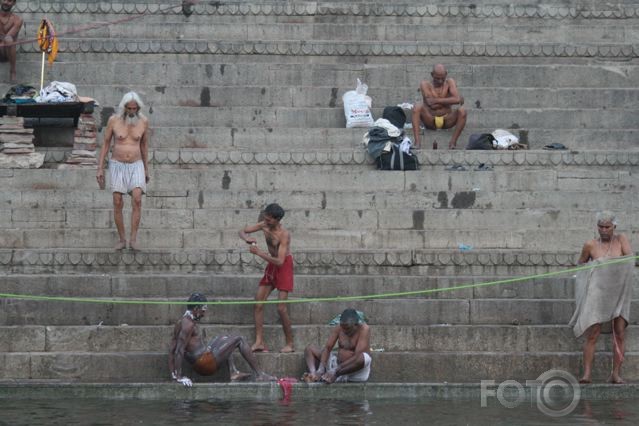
point(254, 248)
point(250, 240)
point(100, 178)
point(185, 381)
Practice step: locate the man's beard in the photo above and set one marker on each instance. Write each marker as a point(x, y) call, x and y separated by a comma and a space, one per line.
point(131, 119)
point(6, 9)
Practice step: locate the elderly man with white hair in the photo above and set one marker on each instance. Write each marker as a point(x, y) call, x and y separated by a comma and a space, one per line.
point(603, 294)
point(128, 128)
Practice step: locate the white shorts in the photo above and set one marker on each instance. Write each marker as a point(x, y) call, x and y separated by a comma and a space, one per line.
point(358, 376)
point(125, 177)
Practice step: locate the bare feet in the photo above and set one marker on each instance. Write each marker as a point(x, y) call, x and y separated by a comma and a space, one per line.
point(288, 349)
point(452, 146)
point(239, 376)
point(310, 378)
point(585, 380)
point(263, 377)
point(120, 245)
point(615, 379)
point(259, 347)
point(133, 245)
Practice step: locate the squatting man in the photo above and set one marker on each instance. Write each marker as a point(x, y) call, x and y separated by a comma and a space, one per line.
point(187, 344)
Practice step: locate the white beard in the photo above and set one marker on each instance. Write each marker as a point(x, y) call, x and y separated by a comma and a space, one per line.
point(131, 120)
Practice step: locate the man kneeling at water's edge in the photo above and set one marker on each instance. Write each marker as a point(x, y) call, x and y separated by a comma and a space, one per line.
point(188, 344)
point(351, 363)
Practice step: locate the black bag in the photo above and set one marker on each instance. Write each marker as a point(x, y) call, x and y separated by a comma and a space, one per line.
point(397, 160)
point(480, 141)
point(395, 115)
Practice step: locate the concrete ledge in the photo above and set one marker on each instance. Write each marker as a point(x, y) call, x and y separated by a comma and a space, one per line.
point(562, 11)
point(403, 367)
point(335, 48)
point(97, 259)
point(519, 159)
point(271, 391)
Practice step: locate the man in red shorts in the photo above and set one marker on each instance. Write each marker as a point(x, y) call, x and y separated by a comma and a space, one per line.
point(277, 275)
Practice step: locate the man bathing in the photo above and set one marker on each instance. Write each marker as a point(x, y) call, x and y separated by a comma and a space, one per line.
point(277, 275)
point(436, 111)
point(604, 295)
point(351, 363)
point(187, 344)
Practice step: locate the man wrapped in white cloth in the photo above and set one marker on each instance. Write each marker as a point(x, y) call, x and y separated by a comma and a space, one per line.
point(129, 129)
point(603, 294)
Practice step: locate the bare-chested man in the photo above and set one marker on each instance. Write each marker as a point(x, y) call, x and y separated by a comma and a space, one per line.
point(10, 25)
point(277, 275)
point(188, 344)
point(129, 129)
point(436, 111)
point(351, 363)
point(607, 245)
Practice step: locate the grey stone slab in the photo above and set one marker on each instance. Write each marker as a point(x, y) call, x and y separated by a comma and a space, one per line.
point(94, 285)
point(154, 286)
point(424, 338)
point(91, 238)
point(521, 311)
point(387, 367)
point(418, 311)
point(23, 339)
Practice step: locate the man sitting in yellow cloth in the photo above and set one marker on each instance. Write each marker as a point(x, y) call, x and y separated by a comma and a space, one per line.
point(436, 111)
point(603, 294)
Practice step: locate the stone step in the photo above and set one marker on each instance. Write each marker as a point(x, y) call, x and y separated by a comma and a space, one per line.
point(304, 239)
point(221, 220)
point(384, 338)
point(243, 286)
point(335, 200)
point(315, 178)
point(408, 367)
point(522, 118)
point(354, 28)
point(327, 96)
point(270, 139)
point(416, 311)
point(280, 72)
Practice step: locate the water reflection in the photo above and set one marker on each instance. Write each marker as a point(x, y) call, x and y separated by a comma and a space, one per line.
point(304, 412)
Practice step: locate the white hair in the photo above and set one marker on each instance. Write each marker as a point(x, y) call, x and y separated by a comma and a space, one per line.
point(128, 97)
point(606, 216)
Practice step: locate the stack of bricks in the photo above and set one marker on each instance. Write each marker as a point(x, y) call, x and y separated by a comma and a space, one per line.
point(14, 138)
point(85, 143)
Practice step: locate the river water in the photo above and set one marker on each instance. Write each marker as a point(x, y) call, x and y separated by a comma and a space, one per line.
point(306, 412)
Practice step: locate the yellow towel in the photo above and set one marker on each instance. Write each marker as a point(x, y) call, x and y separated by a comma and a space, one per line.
point(439, 122)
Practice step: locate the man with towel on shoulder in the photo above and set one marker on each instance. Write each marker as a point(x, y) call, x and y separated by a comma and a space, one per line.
point(603, 294)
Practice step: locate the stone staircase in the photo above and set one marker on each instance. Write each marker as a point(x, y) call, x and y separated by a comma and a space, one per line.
point(245, 104)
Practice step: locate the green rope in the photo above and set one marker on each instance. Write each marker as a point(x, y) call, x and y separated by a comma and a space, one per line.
point(319, 299)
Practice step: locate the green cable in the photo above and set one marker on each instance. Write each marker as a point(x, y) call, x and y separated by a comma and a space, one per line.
point(318, 299)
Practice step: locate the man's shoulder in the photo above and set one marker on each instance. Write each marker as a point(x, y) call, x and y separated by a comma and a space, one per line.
point(186, 324)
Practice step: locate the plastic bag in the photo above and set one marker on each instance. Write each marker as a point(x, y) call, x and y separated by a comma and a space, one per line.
point(357, 107)
point(504, 139)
